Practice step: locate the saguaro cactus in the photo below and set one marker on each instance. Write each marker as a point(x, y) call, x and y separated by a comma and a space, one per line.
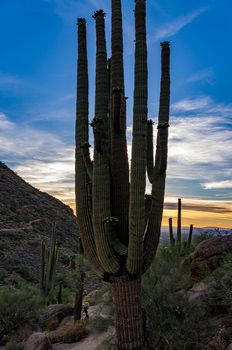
point(47, 273)
point(119, 235)
point(179, 225)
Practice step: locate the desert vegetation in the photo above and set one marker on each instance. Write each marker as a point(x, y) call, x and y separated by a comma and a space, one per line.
point(104, 279)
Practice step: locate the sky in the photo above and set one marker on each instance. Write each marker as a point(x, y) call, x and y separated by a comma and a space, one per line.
point(38, 86)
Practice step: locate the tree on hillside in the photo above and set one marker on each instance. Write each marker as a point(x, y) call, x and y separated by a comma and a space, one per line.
point(119, 224)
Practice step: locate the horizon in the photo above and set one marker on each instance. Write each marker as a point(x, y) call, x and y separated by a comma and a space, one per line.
point(38, 87)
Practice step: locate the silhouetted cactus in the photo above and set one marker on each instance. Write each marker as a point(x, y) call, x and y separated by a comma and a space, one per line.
point(48, 266)
point(179, 225)
point(190, 236)
point(119, 232)
point(171, 235)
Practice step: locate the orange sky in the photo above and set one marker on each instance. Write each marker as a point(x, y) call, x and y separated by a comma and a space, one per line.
point(200, 213)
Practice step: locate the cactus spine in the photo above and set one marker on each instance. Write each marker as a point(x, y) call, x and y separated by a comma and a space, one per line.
point(119, 232)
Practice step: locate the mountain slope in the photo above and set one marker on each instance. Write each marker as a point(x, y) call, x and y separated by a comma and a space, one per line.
point(27, 217)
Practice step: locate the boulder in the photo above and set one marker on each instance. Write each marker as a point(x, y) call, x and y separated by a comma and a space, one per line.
point(38, 341)
point(197, 290)
point(209, 254)
point(54, 314)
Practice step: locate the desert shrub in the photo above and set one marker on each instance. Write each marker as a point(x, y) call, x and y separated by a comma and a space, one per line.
point(3, 245)
point(14, 235)
point(101, 324)
point(17, 306)
point(14, 346)
point(67, 295)
point(68, 331)
point(3, 274)
point(25, 273)
point(172, 321)
point(218, 297)
point(202, 237)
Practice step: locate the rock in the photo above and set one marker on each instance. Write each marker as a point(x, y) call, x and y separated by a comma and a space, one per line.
point(54, 314)
point(209, 254)
point(197, 290)
point(38, 341)
point(68, 331)
point(100, 310)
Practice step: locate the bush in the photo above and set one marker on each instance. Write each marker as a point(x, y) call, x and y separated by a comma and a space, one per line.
point(14, 346)
point(3, 274)
point(172, 321)
point(25, 273)
point(17, 307)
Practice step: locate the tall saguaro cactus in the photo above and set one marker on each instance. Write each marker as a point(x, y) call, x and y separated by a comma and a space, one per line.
point(119, 235)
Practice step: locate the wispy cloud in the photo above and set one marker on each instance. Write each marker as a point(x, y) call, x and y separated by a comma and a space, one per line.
point(190, 104)
point(217, 185)
point(173, 27)
point(205, 76)
point(5, 124)
point(71, 9)
point(41, 158)
point(201, 142)
point(205, 206)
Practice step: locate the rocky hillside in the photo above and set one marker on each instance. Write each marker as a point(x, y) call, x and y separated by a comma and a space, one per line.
point(27, 217)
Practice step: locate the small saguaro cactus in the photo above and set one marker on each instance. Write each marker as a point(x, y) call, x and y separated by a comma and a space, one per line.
point(171, 235)
point(179, 225)
point(119, 225)
point(48, 262)
point(190, 236)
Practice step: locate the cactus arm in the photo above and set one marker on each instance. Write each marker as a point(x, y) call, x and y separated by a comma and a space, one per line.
point(171, 236)
point(101, 168)
point(119, 157)
point(111, 229)
point(51, 266)
point(42, 269)
point(139, 145)
point(150, 157)
point(158, 187)
point(179, 225)
point(82, 135)
point(190, 236)
point(87, 160)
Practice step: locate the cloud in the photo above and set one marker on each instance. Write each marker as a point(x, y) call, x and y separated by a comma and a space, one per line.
point(204, 74)
point(187, 105)
point(205, 206)
point(204, 104)
point(5, 124)
point(40, 157)
point(172, 28)
point(200, 141)
point(217, 185)
point(69, 10)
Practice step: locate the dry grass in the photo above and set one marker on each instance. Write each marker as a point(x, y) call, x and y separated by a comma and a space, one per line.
point(68, 331)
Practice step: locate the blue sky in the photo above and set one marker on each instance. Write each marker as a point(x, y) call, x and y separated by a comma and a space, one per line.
point(38, 82)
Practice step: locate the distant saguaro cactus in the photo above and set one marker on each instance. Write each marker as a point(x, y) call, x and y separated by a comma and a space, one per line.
point(179, 225)
point(48, 266)
point(119, 236)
